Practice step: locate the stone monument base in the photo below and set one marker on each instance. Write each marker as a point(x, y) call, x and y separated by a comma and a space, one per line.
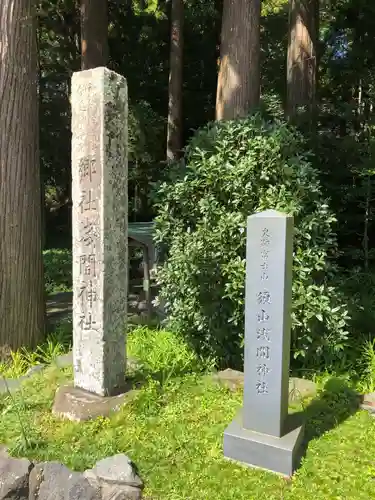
point(280, 455)
point(76, 404)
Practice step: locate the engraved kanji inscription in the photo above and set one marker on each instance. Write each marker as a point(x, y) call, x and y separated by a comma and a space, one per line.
point(265, 237)
point(264, 254)
point(90, 232)
point(87, 293)
point(262, 316)
point(87, 265)
point(262, 370)
point(262, 387)
point(264, 297)
point(87, 201)
point(84, 88)
point(263, 334)
point(263, 352)
point(87, 322)
point(87, 167)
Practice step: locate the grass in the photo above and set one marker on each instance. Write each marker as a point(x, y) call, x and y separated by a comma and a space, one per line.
point(17, 363)
point(57, 270)
point(173, 431)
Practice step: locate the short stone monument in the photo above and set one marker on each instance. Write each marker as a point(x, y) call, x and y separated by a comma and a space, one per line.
point(262, 434)
point(100, 237)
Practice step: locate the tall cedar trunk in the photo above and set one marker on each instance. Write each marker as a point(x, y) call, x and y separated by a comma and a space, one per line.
point(174, 132)
point(238, 88)
point(94, 34)
point(302, 58)
point(21, 264)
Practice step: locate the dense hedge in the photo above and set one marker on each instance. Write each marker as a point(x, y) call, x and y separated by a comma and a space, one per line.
point(233, 169)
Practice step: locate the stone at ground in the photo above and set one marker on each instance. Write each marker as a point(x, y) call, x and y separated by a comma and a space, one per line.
point(262, 434)
point(54, 481)
point(368, 403)
point(117, 469)
point(112, 478)
point(117, 478)
point(34, 369)
point(78, 405)
point(64, 360)
point(299, 388)
point(14, 477)
point(100, 229)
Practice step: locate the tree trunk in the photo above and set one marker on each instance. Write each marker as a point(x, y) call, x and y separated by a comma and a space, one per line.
point(94, 34)
point(302, 58)
point(238, 88)
point(21, 263)
point(174, 132)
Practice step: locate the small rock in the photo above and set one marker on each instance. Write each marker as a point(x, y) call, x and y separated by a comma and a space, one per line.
point(232, 379)
point(34, 369)
point(301, 388)
point(64, 360)
point(14, 477)
point(54, 481)
point(368, 403)
point(10, 384)
point(117, 470)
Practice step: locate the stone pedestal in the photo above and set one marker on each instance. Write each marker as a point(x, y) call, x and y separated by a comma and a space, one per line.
point(100, 239)
point(277, 454)
point(261, 435)
point(73, 403)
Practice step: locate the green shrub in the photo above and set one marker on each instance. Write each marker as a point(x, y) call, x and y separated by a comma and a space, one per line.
point(234, 169)
point(57, 270)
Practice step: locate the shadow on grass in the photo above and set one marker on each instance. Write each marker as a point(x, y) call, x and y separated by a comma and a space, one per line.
point(331, 407)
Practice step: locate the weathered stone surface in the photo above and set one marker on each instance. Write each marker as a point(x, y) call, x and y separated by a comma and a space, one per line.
point(368, 403)
point(33, 370)
point(117, 469)
point(11, 384)
point(14, 477)
point(54, 481)
point(113, 478)
point(64, 360)
point(100, 230)
point(117, 478)
point(120, 492)
point(78, 405)
point(299, 388)
point(232, 379)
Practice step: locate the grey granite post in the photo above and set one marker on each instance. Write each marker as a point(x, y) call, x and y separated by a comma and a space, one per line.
point(100, 219)
point(262, 435)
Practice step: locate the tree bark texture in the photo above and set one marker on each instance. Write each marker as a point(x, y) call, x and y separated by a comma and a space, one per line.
point(21, 263)
point(238, 89)
point(302, 57)
point(174, 131)
point(94, 34)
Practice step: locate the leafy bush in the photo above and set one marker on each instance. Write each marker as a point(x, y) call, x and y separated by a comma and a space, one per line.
point(234, 169)
point(57, 270)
